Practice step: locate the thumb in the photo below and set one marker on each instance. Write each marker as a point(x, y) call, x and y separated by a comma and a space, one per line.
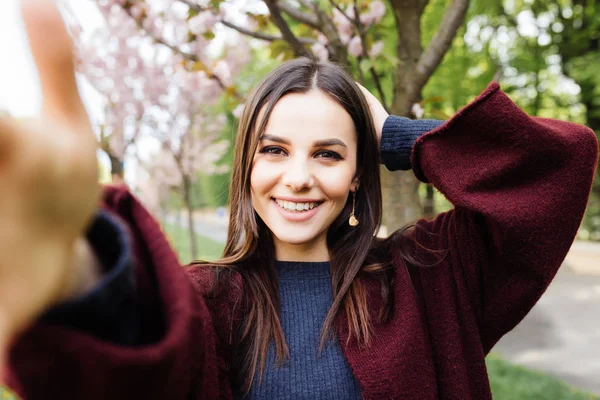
point(52, 51)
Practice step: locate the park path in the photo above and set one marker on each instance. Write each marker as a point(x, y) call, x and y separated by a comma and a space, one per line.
point(561, 334)
point(205, 224)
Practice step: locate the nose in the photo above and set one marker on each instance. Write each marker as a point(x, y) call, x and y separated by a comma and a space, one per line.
point(298, 176)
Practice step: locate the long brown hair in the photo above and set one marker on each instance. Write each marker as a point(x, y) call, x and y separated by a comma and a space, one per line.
point(354, 251)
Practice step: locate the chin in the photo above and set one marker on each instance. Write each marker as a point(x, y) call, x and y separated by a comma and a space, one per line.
point(295, 239)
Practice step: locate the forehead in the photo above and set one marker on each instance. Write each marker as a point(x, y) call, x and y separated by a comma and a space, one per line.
point(312, 115)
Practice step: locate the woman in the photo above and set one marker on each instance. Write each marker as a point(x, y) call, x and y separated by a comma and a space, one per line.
point(306, 303)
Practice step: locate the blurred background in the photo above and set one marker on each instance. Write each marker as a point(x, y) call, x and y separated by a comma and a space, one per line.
point(165, 81)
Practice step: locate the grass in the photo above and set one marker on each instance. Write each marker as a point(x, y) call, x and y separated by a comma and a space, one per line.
point(208, 249)
point(508, 381)
point(512, 382)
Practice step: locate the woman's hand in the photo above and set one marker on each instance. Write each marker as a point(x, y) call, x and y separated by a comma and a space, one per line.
point(48, 184)
point(378, 112)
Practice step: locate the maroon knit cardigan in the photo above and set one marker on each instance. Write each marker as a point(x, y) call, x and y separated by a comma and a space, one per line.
point(519, 186)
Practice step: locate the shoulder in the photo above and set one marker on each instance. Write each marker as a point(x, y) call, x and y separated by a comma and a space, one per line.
point(222, 289)
point(214, 280)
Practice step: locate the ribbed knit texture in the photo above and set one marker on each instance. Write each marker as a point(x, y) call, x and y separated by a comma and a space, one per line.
point(306, 296)
point(398, 138)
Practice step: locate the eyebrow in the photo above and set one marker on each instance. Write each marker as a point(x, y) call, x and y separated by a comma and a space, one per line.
point(318, 143)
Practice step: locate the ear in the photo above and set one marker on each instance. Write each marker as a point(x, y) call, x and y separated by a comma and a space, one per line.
point(355, 184)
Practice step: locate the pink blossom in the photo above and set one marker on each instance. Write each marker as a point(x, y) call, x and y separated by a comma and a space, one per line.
point(374, 14)
point(376, 49)
point(417, 110)
point(377, 7)
point(223, 71)
point(320, 51)
point(252, 24)
point(203, 22)
point(338, 17)
point(343, 25)
point(355, 47)
point(138, 10)
point(237, 111)
point(322, 39)
point(350, 11)
point(345, 37)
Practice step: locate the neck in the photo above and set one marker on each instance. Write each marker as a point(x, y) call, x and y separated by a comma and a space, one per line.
point(316, 251)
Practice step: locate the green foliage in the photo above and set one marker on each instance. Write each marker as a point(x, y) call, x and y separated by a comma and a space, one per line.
point(281, 49)
point(511, 382)
point(536, 70)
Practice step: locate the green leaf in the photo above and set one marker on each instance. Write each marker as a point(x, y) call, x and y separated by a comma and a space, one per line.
point(208, 35)
point(365, 65)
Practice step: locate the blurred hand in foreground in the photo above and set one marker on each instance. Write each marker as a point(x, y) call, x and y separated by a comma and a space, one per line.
point(48, 185)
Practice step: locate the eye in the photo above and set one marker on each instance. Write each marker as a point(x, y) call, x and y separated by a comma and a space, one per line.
point(275, 150)
point(329, 154)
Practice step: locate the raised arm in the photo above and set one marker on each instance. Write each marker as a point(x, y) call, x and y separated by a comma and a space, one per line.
point(519, 186)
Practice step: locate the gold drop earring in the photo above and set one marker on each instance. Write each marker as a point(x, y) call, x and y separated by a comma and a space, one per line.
point(352, 221)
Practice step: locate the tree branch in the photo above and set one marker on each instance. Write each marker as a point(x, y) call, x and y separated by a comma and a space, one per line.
point(299, 15)
point(307, 3)
point(440, 43)
point(336, 48)
point(363, 40)
point(248, 32)
point(337, 7)
point(286, 32)
point(262, 36)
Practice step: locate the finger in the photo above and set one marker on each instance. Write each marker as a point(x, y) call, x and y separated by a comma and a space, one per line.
point(52, 51)
point(8, 133)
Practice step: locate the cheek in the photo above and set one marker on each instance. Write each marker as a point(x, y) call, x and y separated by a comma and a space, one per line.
point(336, 182)
point(261, 177)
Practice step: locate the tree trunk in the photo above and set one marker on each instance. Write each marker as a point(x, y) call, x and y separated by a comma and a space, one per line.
point(117, 172)
point(187, 198)
point(402, 204)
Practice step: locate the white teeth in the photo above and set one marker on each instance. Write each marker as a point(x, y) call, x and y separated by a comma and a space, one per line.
point(291, 206)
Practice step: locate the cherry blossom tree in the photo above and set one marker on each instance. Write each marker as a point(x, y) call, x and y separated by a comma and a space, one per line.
point(152, 91)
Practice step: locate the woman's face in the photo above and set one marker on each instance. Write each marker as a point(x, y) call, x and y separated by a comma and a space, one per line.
point(303, 171)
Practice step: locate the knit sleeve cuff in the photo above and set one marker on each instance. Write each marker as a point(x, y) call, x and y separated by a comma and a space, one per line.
point(398, 136)
point(109, 310)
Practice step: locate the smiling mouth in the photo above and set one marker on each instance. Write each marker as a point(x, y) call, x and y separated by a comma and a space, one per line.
point(297, 207)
